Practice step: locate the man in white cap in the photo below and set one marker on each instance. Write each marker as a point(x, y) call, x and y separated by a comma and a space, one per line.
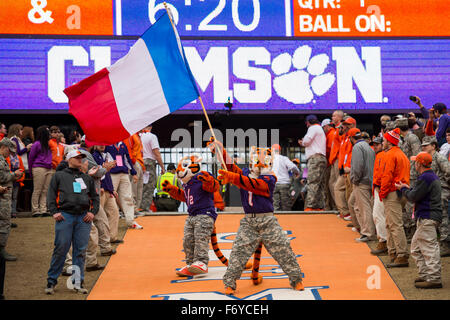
point(73, 202)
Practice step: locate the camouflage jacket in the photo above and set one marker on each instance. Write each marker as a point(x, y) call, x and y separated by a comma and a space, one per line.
point(6, 176)
point(411, 146)
point(441, 167)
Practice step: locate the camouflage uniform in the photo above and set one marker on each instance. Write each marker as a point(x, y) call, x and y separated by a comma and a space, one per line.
point(149, 187)
point(316, 164)
point(197, 234)
point(281, 198)
point(410, 145)
point(251, 232)
point(6, 180)
point(441, 168)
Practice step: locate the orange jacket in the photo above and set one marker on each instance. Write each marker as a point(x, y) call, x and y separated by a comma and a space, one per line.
point(57, 152)
point(378, 169)
point(330, 137)
point(21, 166)
point(429, 130)
point(134, 146)
point(335, 145)
point(345, 152)
point(396, 169)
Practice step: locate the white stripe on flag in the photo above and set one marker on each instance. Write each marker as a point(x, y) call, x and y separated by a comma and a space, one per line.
point(135, 83)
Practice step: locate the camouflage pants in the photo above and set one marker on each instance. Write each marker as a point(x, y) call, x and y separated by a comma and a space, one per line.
point(251, 232)
point(408, 221)
point(197, 234)
point(281, 199)
point(443, 227)
point(149, 187)
point(5, 217)
point(317, 165)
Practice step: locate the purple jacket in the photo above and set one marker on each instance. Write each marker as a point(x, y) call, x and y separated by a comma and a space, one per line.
point(37, 158)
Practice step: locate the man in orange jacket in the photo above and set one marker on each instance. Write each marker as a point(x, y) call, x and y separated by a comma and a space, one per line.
point(134, 146)
point(396, 170)
point(379, 217)
point(336, 119)
point(329, 193)
point(344, 162)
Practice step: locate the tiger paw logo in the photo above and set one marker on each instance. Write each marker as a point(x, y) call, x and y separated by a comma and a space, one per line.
point(300, 78)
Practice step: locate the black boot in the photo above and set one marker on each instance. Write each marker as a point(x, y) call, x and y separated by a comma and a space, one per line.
point(6, 255)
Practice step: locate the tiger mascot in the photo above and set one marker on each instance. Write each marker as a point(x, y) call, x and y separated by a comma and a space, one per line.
point(259, 225)
point(201, 194)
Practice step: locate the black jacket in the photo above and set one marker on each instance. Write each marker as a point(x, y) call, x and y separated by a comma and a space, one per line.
point(61, 195)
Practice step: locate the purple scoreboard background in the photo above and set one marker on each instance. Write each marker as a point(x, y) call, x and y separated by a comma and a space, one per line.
point(257, 75)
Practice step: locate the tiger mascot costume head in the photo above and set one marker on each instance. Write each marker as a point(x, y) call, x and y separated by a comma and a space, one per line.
point(188, 167)
point(261, 162)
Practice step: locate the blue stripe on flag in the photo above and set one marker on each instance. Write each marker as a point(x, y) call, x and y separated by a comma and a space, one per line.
point(174, 73)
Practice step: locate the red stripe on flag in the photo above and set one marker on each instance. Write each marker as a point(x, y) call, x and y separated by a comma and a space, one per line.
point(92, 103)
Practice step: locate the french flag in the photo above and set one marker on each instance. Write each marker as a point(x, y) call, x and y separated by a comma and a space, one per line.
point(151, 81)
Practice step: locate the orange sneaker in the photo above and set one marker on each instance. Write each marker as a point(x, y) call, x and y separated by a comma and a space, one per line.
point(229, 291)
point(299, 286)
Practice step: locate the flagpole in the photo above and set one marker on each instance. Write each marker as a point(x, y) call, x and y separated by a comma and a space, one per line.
point(224, 166)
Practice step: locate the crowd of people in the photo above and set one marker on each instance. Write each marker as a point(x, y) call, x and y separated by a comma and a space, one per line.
point(392, 188)
point(124, 180)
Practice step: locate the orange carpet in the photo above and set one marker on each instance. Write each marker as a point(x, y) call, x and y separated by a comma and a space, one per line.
point(333, 264)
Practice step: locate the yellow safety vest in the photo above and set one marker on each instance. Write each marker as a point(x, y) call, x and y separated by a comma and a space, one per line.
point(172, 178)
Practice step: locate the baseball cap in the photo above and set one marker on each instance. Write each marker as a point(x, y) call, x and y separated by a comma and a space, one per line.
point(350, 120)
point(75, 153)
point(276, 147)
point(377, 140)
point(353, 132)
point(428, 140)
point(401, 122)
point(423, 158)
point(326, 122)
point(439, 106)
point(311, 117)
point(8, 143)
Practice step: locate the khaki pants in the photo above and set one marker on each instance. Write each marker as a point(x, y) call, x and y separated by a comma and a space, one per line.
point(363, 199)
point(340, 195)
point(137, 187)
point(315, 196)
point(109, 204)
point(329, 193)
point(149, 187)
point(379, 217)
point(425, 250)
point(396, 239)
point(122, 186)
point(41, 181)
point(99, 237)
point(334, 175)
point(354, 211)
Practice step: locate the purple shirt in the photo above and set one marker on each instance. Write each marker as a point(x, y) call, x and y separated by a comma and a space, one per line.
point(37, 158)
point(253, 203)
point(198, 200)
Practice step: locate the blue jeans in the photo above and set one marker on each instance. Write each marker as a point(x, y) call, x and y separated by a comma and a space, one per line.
point(70, 231)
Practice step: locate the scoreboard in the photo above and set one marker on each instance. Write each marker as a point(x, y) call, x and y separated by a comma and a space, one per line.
point(264, 55)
